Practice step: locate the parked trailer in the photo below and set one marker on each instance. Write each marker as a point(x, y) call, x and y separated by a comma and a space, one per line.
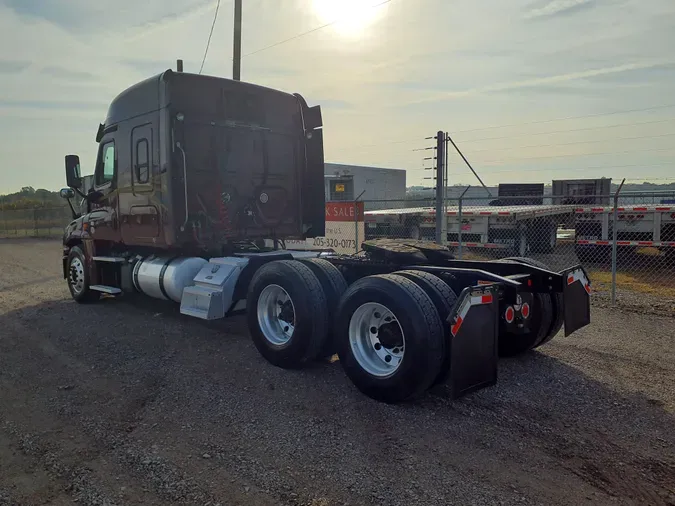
point(513, 229)
point(193, 172)
point(644, 226)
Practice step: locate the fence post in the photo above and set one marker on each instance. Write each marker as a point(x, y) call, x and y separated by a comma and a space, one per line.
point(615, 219)
point(35, 222)
point(459, 217)
point(356, 222)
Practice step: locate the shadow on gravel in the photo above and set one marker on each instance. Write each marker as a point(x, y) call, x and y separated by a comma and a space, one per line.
point(138, 362)
point(621, 443)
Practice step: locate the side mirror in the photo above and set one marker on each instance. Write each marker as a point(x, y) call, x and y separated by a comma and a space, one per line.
point(73, 177)
point(67, 193)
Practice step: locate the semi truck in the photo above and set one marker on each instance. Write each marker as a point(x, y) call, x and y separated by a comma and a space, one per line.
point(194, 173)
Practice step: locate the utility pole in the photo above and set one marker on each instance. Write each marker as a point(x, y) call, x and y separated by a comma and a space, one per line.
point(236, 60)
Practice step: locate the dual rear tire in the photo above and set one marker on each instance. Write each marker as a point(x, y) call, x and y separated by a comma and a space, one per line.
point(389, 330)
point(547, 319)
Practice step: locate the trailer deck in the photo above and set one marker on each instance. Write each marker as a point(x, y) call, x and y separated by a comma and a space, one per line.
point(638, 226)
point(518, 213)
point(519, 229)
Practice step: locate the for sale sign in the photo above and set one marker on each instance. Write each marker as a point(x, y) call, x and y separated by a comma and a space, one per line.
point(345, 229)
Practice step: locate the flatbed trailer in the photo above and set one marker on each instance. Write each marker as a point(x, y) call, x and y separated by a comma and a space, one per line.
point(512, 229)
point(637, 226)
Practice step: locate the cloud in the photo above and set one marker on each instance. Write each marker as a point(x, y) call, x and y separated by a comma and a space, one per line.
point(415, 70)
point(332, 104)
point(13, 66)
point(545, 81)
point(558, 7)
point(67, 74)
point(172, 19)
point(52, 105)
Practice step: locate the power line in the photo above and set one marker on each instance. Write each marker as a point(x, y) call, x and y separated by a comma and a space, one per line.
point(583, 129)
point(572, 155)
point(388, 143)
point(626, 111)
point(208, 43)
point(577, 142)
point(307, 32)
point(573, 169)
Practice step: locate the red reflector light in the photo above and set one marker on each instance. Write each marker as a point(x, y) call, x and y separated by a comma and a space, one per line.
point(570, 280)
point(509, 314)
point(486, 299)
point(456, 326)
point(529, 282)
point(588, 288)
point(525, 310)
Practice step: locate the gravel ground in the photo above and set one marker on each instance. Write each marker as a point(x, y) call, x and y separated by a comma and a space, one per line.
point(127, 402)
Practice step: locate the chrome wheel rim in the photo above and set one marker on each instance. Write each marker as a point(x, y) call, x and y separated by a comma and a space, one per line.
point(376, 339)
point(76, 278)
point(276, 315)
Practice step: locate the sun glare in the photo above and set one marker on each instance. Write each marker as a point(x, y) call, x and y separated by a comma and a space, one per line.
point(352, 17)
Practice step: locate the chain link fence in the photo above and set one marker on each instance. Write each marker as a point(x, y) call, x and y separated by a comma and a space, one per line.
point(632, 261)
point(39, 222)
point(628, 245)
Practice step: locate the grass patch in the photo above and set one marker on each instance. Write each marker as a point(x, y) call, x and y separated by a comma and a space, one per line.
point(657, 282)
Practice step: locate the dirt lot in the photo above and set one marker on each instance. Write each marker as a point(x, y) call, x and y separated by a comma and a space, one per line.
point(128, 402)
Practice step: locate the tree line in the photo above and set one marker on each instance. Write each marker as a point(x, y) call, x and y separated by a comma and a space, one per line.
point(30, 198)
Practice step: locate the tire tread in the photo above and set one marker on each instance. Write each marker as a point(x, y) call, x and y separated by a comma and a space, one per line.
point(421, 306)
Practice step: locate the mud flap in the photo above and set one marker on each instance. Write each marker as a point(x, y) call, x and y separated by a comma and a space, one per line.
point(576, 299)
point(473, 340)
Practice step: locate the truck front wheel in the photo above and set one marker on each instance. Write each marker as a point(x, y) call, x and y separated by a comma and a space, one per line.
point(78, 277)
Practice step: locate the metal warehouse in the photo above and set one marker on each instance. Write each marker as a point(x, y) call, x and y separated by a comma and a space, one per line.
point(347, 182)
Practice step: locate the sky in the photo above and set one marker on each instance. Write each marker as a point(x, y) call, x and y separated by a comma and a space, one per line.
point(530, 90)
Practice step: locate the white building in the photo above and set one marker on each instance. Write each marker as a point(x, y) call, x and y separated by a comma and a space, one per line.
point(372, 184)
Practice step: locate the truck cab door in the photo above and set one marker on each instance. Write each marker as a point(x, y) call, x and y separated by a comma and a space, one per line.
point(103, 222)
point(139, 210)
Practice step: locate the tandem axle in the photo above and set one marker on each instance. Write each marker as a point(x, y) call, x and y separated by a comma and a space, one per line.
point(401, 320)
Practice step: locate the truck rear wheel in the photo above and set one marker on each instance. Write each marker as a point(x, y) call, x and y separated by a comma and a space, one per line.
point(444, 299)
point(334, 285)
point(391, 338)
point(287, 313)
point(78, 277)
point(556, 301)
point(546, 319)
point(512, 344)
